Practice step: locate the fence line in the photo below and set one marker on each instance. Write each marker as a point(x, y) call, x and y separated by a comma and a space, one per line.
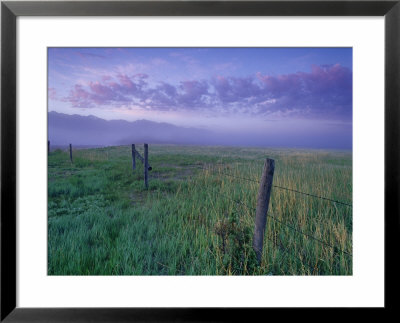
point(312, 195)
point(285, 249)
point(284, 188)
point(334, 248)
point(310, 236)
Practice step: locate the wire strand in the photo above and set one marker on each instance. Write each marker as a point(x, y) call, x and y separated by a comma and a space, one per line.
point(334, 248)
point(285, 249)
point(287, 189)
point(310, 236)
point(312, 195)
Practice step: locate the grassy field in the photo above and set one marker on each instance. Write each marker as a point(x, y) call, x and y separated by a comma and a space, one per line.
point(196, 218)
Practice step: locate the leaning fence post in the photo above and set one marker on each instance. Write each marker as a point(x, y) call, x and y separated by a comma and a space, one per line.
point(264, 193)
point(133, 157)
point(146, 165)
point(70, 152)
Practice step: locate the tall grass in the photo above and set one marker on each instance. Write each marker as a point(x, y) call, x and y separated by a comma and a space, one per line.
point(197, 217)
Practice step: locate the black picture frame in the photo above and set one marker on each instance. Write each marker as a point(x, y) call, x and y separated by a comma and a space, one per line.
point(10, 10)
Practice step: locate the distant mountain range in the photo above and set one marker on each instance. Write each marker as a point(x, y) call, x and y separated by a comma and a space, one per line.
point(91, 131)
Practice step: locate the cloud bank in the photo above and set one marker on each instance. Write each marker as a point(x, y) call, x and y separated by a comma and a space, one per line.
point(323, 93)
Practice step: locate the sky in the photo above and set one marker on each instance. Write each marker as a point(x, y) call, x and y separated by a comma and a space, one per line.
point(303, 96)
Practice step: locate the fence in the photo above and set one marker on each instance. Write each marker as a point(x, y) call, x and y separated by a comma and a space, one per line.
point(135, 153)
point(144, 160)
point(262, 213)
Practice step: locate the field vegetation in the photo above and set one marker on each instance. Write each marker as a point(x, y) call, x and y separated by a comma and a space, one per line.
point(197, 216)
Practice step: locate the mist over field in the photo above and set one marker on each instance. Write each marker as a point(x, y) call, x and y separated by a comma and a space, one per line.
point(93, 131)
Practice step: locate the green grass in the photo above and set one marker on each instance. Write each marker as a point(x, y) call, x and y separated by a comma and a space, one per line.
point(194, 219)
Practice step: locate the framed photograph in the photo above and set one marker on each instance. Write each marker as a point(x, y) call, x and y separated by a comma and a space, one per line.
point(162, 158)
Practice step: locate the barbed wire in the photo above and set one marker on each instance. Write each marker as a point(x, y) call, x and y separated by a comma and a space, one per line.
point(285, 188)
point(238, 177)
point(312, 195)
point(285, 249)
point(334, 248)
point(309, 235)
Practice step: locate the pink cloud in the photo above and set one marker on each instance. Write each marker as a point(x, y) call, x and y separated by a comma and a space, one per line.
point(52, 93)
point(324, 91)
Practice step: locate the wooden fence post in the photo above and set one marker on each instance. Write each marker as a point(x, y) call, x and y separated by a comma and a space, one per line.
point(70, 152)
point(142, 160)
point(133, 157)
point(264, 194)
point(48, 147)
point(146, 165)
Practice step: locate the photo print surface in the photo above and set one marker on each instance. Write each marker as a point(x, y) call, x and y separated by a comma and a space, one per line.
point(200, 161)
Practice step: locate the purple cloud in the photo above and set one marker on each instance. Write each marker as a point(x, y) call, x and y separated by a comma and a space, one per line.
point(192, 93)
point(52, 93)
point(326, 91)
point(79, 97)
point(233, 89)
